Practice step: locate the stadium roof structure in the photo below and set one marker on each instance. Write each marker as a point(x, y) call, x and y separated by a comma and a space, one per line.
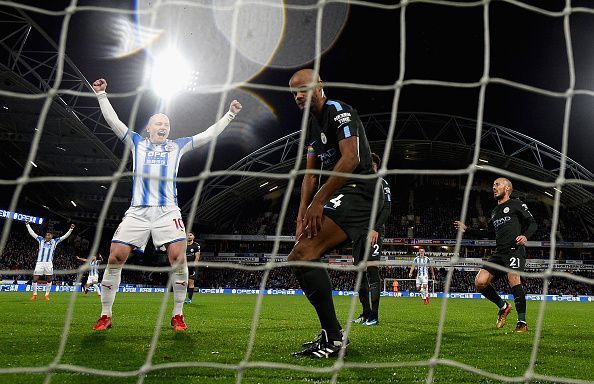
point(74, 142)
point(421, 141)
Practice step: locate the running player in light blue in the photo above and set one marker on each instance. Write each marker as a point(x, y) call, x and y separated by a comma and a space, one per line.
point(45, 259)
point(154, 210)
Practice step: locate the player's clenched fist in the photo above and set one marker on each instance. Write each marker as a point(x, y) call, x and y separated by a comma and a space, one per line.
point(100, 85)
point(235, 106)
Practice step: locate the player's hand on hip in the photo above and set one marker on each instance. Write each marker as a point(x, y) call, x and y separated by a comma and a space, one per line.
point(99, 85)
point(460, 225)
point(235, 107)
point(71, 226)
point(521, 240)
point(312, 221)
point(373, 235)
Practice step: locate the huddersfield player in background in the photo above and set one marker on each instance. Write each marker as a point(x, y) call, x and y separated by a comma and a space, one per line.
point(370, 282)
point(93, 275)
point(513, 225)
point(335, 212)
point(45, 258)
point(154, 210)
point(421, 263)
point(192, 257)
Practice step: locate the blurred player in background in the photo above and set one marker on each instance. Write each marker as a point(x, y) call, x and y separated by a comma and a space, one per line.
point(421, 263)
point(192, 257)
point(371, 282)
point(45, 258)
point(93, 275)
point(513, 224)
point(154, 210)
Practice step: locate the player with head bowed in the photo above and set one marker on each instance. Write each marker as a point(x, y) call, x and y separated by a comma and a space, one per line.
point(154, 209)
point(513, 224)
point(45, 258)
point(370, 281)
point(335, 212)
point(421, 263)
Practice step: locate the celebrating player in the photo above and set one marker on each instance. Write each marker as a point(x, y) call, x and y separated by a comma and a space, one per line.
point(45, 258)
point(93, 277)
point(192, 257)
point(339, 210)
point(421, 263)
point(370, 282)
point(513, 225)
point(154, 210)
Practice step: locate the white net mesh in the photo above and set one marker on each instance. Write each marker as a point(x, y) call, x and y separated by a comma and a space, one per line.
point(229, 84)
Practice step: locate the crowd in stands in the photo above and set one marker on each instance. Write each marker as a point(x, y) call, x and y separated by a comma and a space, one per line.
point(426, 210)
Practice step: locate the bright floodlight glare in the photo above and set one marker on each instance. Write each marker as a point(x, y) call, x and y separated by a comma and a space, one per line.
point(170, 74)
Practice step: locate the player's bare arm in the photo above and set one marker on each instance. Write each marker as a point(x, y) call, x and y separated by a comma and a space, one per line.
point(460, 225)
point(349, 159)
point(308, 188)
point(373, 235)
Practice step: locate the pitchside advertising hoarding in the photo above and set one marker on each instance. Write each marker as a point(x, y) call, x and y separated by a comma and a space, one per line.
point(17, 216)
point(129, 288)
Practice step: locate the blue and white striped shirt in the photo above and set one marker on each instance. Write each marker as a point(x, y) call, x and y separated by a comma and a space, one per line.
point(47, 248)
point(422, 264)
point(94, 271)
point(154, 161)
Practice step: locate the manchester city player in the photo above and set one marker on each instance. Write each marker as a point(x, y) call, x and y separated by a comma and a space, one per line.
point(513, 225)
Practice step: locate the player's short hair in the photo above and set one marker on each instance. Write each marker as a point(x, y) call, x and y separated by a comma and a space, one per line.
point(376, 159)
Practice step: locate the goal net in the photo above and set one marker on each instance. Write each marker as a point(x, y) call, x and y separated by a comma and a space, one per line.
point(228, 16)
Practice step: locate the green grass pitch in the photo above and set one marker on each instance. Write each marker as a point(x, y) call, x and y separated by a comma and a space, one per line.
point(219, 327)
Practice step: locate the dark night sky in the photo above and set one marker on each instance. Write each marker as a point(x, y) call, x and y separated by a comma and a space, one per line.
point(443, 43)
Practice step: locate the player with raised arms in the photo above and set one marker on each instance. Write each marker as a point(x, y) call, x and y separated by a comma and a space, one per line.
point(93, 276)
point(154, 209)
point(45, 258)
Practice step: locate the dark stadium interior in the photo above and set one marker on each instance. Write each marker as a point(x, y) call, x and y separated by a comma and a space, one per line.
point(521, 134)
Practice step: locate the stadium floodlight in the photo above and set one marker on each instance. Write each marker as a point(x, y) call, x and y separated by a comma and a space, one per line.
point(548, 194)
point(35, 165)
point(170, 73)
point(263, 184)
point(484, 161)
point(273, 188)
point(73, 203)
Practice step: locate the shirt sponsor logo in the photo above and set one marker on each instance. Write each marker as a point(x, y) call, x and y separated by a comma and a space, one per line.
point(499, 222)
point(156, 158)
point(327, 158)
point(343, 118)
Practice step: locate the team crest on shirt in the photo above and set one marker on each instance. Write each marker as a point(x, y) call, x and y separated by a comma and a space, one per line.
point(324, 139)
point(169, 147)
point(506, 210)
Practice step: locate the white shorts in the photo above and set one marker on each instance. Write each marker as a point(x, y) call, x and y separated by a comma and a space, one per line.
point(164, 224)
point(92, 279)
point(422, 280)
point(44, 268)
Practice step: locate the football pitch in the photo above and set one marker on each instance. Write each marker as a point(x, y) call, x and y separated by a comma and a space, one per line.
point(219, 328)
